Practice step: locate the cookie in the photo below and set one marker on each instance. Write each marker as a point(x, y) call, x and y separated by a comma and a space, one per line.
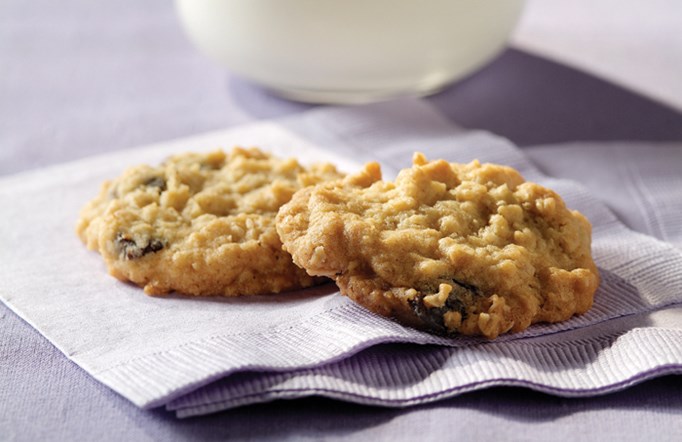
point(449, 248)
point(200, 224)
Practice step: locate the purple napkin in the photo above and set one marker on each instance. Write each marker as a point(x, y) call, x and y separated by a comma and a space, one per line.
point(203, 355)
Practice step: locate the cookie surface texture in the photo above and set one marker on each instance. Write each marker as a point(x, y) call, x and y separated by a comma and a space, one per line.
point(449, 248)
point(200, 224)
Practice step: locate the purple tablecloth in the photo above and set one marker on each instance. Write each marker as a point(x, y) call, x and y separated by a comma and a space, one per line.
point(79, 78)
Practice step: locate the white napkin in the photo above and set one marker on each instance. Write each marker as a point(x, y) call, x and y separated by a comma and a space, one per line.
point(641, 182)
point(156, 350)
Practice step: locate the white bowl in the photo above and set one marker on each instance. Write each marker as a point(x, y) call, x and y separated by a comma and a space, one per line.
point(332, 51)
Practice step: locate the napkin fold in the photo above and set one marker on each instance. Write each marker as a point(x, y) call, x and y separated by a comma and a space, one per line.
point(599, 359)
point(200, 355)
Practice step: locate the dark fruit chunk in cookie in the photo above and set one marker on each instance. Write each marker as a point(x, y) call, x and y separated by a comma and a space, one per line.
point(129, 249)
point(156, 181)
point(432, 304)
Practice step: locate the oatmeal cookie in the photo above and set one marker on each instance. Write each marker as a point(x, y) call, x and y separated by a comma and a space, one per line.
point(449, 248)
point(200, 224)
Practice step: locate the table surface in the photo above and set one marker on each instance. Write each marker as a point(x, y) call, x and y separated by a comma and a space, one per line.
point(80, 78)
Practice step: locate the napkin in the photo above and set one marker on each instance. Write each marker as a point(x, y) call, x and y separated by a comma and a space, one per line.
point(639, 181)
point(200, 355)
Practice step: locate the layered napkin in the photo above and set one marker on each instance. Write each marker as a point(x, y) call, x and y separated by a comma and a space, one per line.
point(201, 355)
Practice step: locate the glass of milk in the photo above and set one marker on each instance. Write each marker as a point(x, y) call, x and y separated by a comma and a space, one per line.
point(352, 51)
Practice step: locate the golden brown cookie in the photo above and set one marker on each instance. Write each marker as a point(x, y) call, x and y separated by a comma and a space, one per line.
point(200, 224)
point(449, 248)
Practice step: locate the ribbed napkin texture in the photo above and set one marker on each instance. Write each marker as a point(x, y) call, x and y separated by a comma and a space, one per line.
point(204, 355)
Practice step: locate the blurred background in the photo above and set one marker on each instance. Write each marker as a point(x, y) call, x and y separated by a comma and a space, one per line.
point(79, 77)
point(632, 43)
